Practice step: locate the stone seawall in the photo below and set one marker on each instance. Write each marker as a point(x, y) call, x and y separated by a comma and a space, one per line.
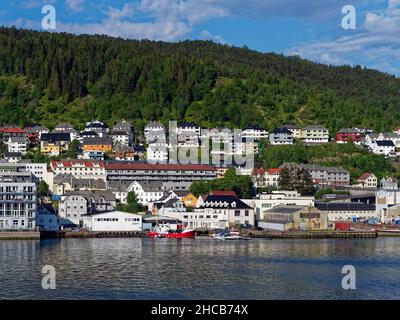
point(19, 235)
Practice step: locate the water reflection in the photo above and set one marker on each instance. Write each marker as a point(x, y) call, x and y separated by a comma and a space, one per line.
point(199, 269)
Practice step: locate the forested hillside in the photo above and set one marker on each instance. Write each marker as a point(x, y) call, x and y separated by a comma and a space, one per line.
point(50, 77)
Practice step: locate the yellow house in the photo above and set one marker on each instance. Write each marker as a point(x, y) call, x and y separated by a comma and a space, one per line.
point(189, 200)
point(100, 144)
point(52, 144)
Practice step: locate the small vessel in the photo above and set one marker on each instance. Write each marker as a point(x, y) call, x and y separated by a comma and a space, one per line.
point(227, 235)
point(164, 231)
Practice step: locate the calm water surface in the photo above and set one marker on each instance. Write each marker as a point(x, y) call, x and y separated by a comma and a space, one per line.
point(200, 269)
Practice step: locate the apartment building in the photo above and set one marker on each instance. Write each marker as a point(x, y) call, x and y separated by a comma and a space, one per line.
point(90, 169)
point(18, 201)
point(315, 134)
point(169, 174)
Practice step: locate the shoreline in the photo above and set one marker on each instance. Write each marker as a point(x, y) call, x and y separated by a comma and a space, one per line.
point(247, 235)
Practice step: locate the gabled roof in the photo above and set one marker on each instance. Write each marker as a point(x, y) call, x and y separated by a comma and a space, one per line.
point(282, 131)
point(107, 195)
point(227, 202)
point(88, 134)
point(154, 124)
point(365, 176)
point(255, 127)
point(55, 137)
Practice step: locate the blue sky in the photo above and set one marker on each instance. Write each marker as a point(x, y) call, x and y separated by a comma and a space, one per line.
point(309, 28)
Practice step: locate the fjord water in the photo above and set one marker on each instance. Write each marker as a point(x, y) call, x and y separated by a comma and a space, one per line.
point(200, 269)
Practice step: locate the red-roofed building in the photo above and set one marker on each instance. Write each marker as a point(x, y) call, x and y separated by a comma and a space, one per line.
point(263, 178)
point(89, 169)
point(12, 132)
point(368, 181)
point(174, 176)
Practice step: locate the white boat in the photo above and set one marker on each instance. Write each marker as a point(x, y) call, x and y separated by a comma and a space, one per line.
point(227, 235)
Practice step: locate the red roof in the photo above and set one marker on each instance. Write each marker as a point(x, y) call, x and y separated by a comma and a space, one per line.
point(270, 171)
point(70, 163)
point(223, 193)
point(365, 176)
point(12, 130)
point(161, 167)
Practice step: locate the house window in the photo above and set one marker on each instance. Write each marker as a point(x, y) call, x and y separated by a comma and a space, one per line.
point(237, 213)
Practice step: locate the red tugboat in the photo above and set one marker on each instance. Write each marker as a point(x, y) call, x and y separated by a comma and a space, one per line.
point(164, 231)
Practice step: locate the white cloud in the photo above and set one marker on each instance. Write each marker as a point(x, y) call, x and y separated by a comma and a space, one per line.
point(75, 5)
point(168, 20)
point(31, 4)
point(206, 35)
point(376, 44)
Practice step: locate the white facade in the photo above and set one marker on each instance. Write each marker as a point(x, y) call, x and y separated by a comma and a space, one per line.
point(277, 198)
point(315, 134)
point(113, 221)
point(157, 153)
point(121, 138)
point(386, 148)
point(255, 133)
point(202, 219)
point(17, 144)
point(80, 168)
point(145, 198)
point(18, 202)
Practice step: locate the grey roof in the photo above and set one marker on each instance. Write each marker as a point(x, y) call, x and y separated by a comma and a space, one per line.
point(79, 183)
point(119, 133)
point(170, 203)
point(154, 124)
point(290, 126)
point(98, 141)
point(151, 186)
point(18, 139)
point(344, 206)
point(286, 209)
point(118, 186)
point(12, 154)
point(55, 137)
point(96, 194)
point(282, 131)
point(64, 125)
point(162, 219)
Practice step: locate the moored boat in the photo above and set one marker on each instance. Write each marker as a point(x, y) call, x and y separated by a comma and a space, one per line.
point(228, 235)
point(164, 231)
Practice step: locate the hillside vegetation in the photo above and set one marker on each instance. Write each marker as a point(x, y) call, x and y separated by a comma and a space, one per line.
point(53, 77)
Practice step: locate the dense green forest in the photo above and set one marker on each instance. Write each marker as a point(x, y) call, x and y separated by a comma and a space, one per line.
point(52, 77)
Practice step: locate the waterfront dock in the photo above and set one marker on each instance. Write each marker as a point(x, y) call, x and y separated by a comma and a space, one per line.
point(95, 234)
point(310, 234)
point(19, 235)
